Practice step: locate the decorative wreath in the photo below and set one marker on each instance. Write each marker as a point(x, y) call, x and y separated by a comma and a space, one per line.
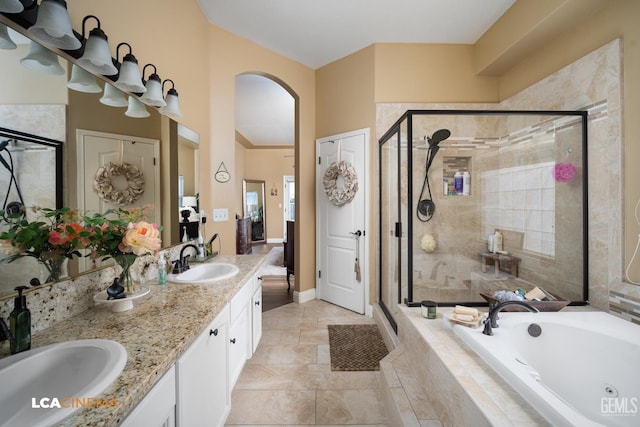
point(103, 185)
point(350, 187)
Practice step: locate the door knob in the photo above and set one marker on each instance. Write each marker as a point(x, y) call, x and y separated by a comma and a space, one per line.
point(357, 233)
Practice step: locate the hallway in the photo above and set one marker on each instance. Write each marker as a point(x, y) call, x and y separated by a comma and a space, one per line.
point(289, 379)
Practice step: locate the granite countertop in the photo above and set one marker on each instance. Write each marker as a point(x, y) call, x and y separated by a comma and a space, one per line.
point(155, 333)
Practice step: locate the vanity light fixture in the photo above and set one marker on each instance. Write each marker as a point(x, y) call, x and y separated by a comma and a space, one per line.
point(82, 81)
point(129, 79)
point(11, 6)
point(173, 103)
point(97, 56)
point(136, 109)
point(153, 95)
point(41, 59)
point(113, 97)
point(53, 26)
point(5, 40)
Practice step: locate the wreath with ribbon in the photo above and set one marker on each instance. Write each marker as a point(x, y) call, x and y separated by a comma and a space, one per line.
point(103, 183)
point(349, 188)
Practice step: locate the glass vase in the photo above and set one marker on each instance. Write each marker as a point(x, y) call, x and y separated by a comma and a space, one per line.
point(126, 261)
point(55, 268)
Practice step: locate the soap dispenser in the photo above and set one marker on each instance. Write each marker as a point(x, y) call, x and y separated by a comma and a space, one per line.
point(20, 324)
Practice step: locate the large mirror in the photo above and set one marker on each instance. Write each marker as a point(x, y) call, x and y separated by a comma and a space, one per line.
point(253, 205)
point(41, 104)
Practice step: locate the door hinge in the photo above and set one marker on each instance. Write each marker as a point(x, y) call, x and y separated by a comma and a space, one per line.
point(319, 160)
point(154, 161)
point(319, 274)
point(398, 229)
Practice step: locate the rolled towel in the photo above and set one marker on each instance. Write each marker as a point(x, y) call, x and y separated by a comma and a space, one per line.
point(461, 309)
point(463, 317)
point(534, 293)
point(502, 296)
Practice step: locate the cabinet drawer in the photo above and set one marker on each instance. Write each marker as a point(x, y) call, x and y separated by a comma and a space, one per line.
point(240, 301)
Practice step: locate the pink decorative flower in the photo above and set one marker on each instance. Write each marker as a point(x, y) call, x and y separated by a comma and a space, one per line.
point(563, 172)
point(141, 238)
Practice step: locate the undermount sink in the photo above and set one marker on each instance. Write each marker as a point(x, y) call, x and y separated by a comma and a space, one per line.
point(41, 387)
point(203, 273)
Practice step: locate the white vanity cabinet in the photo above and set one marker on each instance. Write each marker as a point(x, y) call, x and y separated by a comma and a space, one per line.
point(240, 332)
point(202, 379)
point(158, 408)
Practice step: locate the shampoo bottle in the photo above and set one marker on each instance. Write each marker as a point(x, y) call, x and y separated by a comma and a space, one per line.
point(20, 324)
point(457, 182)
point(466, 183)
point(162, 270)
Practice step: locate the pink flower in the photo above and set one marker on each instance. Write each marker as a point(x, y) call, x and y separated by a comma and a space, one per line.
point(563, 172)
point(141, 238)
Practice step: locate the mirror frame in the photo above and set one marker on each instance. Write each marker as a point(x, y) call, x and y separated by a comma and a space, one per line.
point(264, 206)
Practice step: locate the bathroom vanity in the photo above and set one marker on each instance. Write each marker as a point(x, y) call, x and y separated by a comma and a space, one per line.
point(186, 345)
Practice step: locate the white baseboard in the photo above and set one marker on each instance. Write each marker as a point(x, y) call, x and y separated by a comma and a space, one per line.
point(275, 240)
point(304, 296)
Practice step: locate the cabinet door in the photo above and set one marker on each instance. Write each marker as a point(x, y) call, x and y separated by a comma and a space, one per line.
point(158, 408)
point(239, 342)
point(202, 377)
point(256, 318)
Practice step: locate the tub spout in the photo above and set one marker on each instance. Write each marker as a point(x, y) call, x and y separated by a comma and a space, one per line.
point(492, 320)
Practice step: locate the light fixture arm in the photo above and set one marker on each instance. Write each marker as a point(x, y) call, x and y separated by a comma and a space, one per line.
point(118, 50)
point(153, 75)
point(99, 30)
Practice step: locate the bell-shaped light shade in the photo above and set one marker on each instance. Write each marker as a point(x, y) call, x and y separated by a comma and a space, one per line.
point(136, 109)
point(97, 56)
point(173, 104)
point(129, 79)
point(11, 6)
point(53, 26)
point(113, 97)
point(82, 81)
point(153, 95)
point(5, 40)
point(41, 59)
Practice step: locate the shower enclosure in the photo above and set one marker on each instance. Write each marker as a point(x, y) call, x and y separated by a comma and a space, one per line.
point(477, 201)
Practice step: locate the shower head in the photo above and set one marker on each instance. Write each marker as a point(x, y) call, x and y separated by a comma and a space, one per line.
point(439, 136)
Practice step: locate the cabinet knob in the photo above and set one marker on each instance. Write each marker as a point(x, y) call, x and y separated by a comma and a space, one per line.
point(213, 332)
point(233, 340)
point(257, 303)
point(259, 277)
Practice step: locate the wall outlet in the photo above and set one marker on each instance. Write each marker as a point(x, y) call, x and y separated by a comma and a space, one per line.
point(220, 215)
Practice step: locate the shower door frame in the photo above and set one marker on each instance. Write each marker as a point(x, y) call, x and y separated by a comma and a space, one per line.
point(399, 228)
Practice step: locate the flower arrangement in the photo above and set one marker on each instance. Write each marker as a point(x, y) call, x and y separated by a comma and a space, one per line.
point(52, 237)
point(123, 235)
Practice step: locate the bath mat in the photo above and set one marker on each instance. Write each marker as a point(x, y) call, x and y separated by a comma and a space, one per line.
point(356, 347)
point(274, 263)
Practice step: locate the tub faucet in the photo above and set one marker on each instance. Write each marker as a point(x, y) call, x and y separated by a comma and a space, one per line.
point(5, 332)
point(492, 320)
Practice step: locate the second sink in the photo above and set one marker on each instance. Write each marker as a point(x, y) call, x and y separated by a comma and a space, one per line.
point(203, 273)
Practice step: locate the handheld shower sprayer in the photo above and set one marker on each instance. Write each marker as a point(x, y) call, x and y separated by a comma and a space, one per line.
point(426, 207)
point(11, 208)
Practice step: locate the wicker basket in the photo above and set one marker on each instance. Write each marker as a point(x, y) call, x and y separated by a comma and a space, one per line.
point(556, 305)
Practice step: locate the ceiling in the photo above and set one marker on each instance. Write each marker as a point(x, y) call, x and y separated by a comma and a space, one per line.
point(318, 32)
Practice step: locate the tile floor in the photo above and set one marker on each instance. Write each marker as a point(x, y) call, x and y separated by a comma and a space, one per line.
point(289, 381)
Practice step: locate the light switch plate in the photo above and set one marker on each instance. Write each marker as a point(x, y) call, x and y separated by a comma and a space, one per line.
point(220, 215)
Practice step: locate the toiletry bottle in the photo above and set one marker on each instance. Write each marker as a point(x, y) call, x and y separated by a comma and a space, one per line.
point(201, 250)
point(466, 183)
point(490, 242)
point(457, 182)
point(162, 270)
point(497, 242)
point(20, 324)
point(445, 186)
point(185, 235)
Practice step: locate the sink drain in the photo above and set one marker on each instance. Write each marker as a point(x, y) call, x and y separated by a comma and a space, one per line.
point(534, 330)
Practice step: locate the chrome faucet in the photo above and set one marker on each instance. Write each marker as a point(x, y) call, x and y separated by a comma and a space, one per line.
point(492, 320)
point(5, 332)
point(182, 264)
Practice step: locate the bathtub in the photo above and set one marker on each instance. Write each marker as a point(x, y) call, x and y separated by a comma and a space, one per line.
point(582, 370)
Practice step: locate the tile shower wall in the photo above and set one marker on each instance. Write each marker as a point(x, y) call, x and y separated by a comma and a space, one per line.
point(595, 79)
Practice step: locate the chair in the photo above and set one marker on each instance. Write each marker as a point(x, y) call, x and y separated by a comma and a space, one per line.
point(289, 246)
